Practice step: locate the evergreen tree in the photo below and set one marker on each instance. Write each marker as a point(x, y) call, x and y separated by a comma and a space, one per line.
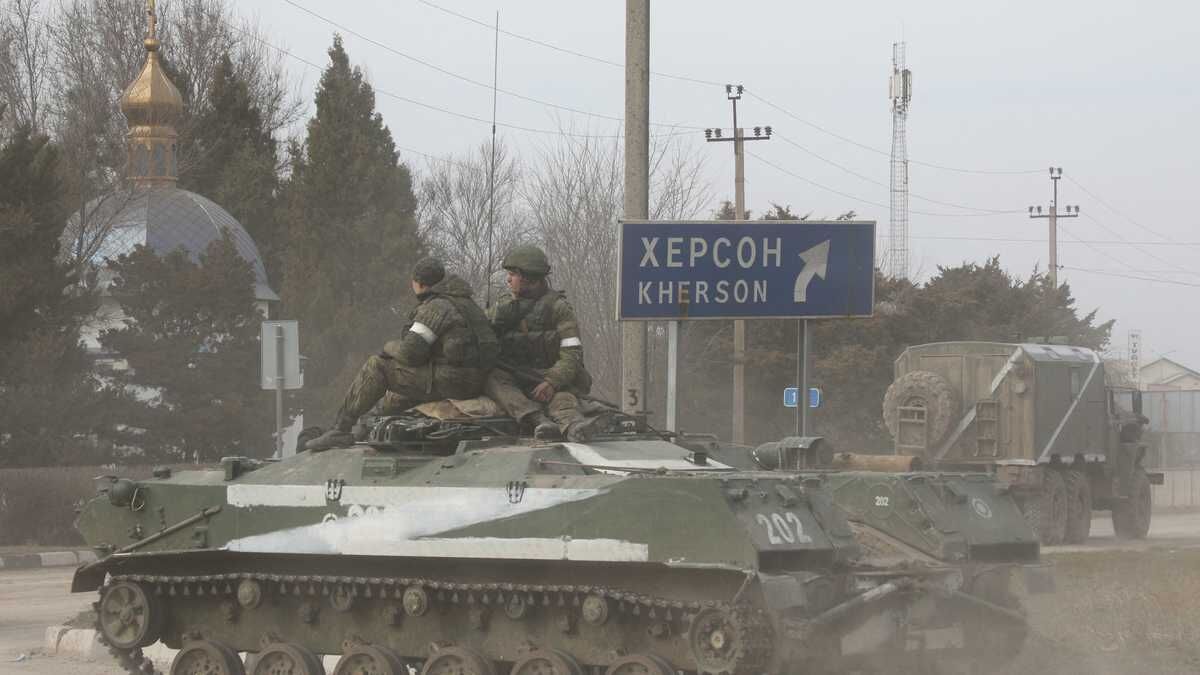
point(47, 400)
point(190, 339)
point(351, 235)
point(234, 159)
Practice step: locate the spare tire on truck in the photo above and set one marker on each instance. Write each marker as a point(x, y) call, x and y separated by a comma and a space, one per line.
point(927, 390)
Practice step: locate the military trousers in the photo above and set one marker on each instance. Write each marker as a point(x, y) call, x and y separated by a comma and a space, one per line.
point(404, 387)
point(516, 400)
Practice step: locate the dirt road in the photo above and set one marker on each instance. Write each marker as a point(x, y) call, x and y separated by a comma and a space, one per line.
point(30, 600)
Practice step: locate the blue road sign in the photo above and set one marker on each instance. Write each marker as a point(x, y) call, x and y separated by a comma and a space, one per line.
point(765, 269)
point(791, 397)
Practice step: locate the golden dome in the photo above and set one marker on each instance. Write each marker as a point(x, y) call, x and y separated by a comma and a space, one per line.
point(152, 104)
point(151, 99)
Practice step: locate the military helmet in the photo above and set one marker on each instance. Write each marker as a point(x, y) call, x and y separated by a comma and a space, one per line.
point(527, 259)
point(429, 271)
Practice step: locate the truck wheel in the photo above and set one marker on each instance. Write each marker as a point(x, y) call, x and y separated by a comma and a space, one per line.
point(922, 389)
point(1046, 511)
point(1131, 517)
point(1079, 507)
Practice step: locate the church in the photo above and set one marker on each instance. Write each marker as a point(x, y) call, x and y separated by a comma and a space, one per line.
point(151, 210)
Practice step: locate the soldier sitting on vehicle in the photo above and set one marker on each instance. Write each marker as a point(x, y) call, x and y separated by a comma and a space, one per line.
point(541, 356)
point(446, 352)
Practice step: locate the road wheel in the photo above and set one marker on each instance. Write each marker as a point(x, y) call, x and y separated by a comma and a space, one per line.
point(1046, 511)
point(459, 661)
point(1079, 507)
point(547, 662)
point(1131, 517)
point(279, 657)
point(205, 657)
point(360, 659)
point(922, 389)
point(130, 615)
point(640, 664)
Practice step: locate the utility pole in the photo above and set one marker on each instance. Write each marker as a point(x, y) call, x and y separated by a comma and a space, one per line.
point(637, 184)
point(1054, 215)
point(734, 93)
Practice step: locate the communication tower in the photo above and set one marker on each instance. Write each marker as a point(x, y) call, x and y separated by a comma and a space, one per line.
point(900, 91)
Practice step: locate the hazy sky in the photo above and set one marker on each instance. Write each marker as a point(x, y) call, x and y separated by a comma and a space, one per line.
point(1102, 89)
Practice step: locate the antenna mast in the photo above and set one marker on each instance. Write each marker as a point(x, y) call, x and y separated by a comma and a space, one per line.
point(900, 92)
point(492, 169)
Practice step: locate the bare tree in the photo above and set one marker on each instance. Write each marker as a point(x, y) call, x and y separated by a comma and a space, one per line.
point(24, 61)
point(454, 206)
point(198, 33)
point(574, 198)
point(96, 47)
point(98, 51)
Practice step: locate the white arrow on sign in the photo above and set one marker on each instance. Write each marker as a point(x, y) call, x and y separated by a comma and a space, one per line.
point(816, 262)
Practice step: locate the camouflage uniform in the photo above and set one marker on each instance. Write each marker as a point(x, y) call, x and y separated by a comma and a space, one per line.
point(539, 336)
point(445, 353)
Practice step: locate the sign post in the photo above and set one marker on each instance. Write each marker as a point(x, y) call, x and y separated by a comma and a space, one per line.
point(686, 270)
point(280, 342)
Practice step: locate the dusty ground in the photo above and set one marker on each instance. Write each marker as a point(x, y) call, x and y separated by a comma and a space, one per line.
point(1117, 613)
point(1119, 609)
point(30, 600)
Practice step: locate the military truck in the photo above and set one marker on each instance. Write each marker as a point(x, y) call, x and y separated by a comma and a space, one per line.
point(1040, 417)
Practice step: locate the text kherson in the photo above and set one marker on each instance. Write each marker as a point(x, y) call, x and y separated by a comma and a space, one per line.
point(723, 253)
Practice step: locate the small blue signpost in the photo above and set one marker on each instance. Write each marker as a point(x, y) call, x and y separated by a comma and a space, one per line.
point(737, 270)
point(791, 397)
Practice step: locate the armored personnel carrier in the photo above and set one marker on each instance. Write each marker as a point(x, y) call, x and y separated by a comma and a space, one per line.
point(454, 547)
point(1041, 418)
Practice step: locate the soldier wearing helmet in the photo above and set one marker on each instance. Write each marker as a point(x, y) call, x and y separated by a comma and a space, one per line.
point(539, 340)
point(445, 352)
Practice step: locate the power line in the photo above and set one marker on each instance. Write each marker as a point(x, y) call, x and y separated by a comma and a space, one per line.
point(1122, 263)
point(881, 184)
point(1142, 250)
point(1112, 208)
point(564, 50)
point(861, 199)
point(886, 153)
point(447, 111)
point(696, 80)
point(1017, 240)
point(1131, 276)
point(458, 76)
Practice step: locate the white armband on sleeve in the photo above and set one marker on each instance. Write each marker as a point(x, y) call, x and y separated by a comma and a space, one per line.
point(426, 334)
point(570, 342)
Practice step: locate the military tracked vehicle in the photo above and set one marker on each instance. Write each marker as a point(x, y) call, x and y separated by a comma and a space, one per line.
point(1040, 417)
point(453, 546)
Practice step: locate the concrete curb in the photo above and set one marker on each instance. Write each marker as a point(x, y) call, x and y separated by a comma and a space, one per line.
point(81, 643)
point(52, 559)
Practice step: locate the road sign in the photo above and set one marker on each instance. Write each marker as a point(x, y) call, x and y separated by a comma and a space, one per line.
point(735, 269)
point(791, 397)
point(272, 339)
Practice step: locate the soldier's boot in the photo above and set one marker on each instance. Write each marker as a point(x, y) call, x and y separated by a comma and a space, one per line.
point(339, 436)
point(584, 429)
point(544, 428)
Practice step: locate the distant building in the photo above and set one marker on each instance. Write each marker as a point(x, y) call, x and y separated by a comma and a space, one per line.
point(1163, 374)
point(151, 210)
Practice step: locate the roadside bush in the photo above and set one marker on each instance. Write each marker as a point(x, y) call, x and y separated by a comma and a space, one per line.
point(37, 506)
